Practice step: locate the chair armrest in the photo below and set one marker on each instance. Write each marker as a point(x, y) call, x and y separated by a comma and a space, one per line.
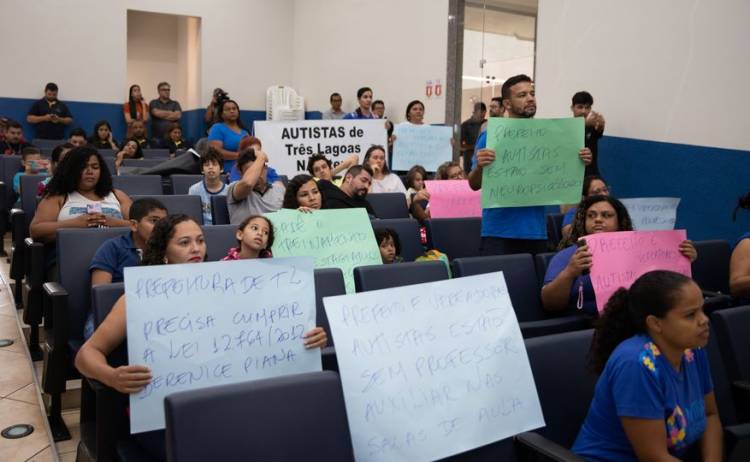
point(741, 392)
point(545, 449)
point(713, 301)
point(734, 434)
point(55, 315)
point(35, 265)
point(18, 226)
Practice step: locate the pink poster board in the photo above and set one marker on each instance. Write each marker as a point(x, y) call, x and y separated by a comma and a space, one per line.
point(453, 199)
point(619, 258)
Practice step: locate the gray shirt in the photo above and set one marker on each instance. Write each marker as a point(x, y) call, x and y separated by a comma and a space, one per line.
point(255, 203)
point(329, 114)
point(160, 126)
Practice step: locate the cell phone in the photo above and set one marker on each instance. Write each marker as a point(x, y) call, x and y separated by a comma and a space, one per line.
point(94, 208)
point(580, 243)
point(33, 165)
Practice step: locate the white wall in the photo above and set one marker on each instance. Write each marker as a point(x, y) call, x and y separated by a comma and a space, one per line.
point(247, 46)
point(391, 46)
point(670, 70)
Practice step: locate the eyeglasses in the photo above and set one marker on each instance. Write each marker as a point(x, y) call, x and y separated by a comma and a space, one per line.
point(165, 89)
point(593, 215)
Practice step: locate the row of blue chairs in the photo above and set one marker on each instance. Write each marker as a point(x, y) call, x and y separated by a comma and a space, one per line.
point(304, 414)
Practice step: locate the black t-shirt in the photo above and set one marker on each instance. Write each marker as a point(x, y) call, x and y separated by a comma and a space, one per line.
point(49, 130)
point(9, 149)
point(592, 142)
point(470, 132)
point(335, 198)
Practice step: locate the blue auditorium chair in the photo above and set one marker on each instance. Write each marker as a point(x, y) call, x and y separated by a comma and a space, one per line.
point(144, 185)
point(455, 237)
point(219, 239)
point(184, 203)
point(565, 387)
point(388, 205)
point(523, 288)
point(408, 234)
point(541, 262)
point(66, 305)
point(219, 210)
point(376, 277)
point(295, 417)
point(554, 229)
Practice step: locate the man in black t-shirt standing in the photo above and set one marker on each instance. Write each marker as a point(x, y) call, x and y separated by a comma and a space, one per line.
point(49, 115)
point(470, 129)
point(581, 107)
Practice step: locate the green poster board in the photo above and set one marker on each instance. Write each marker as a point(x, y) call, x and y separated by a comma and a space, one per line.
point(537, 162)
point(340, 238)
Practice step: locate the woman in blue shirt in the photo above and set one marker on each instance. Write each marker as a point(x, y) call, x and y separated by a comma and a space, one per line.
point(225, 136)
point(567, 284)
point(364, 111)
point(654, 398)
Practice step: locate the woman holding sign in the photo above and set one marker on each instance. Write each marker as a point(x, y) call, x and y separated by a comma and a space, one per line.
point(567, 284)
point(654, 399)
point(175, 239)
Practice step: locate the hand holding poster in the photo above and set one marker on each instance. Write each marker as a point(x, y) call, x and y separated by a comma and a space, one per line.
point(335, 238)
point(619, 258)
point(652, 213)
point(290, 144)
point(453, 199)
point(537, 162)
point(216, 323)
point(431, 370)
point(425, 145)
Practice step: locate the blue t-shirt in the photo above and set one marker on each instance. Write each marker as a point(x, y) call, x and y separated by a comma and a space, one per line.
point(113, 256)
point(231, 140)
point(555, 267)
point(638, 381)
point(199, 189)
point(511, 222)
point(569, 216)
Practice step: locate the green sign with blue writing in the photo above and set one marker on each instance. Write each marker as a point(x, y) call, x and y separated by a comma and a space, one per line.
point(334, 238)
point(536, 162)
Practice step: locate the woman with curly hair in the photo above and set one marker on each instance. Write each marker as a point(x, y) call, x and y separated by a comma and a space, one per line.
point(654, 399)
point(567, 284)
point(80, 195)
point(302, 193)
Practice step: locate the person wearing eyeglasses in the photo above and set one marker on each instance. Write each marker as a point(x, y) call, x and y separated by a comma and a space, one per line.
point(593, 185)
point(567, 284)
point(164, 112)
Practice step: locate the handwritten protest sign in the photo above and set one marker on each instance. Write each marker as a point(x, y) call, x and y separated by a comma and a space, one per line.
point(425, 145)
point(652, 213)
point(200, 325)
point(453, 199)
point(619, 258)
point(432, 370)
point(536, 162)
point(335, 238)
point(290, 144)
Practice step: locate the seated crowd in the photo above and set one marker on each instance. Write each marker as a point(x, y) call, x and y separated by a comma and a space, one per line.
point(661, 310)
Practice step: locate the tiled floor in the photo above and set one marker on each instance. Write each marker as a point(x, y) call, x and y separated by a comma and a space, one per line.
point(20, 400)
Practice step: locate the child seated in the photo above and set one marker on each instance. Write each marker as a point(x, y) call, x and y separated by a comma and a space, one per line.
point(390, 245)
point(33, 164)
point(254, 238)
point(212, 184)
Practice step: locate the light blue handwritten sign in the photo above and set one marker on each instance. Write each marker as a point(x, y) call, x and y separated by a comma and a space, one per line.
point(425, 145)
point(340, 238)
point(432, 370)
point(652, 213)
point(200, 325)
